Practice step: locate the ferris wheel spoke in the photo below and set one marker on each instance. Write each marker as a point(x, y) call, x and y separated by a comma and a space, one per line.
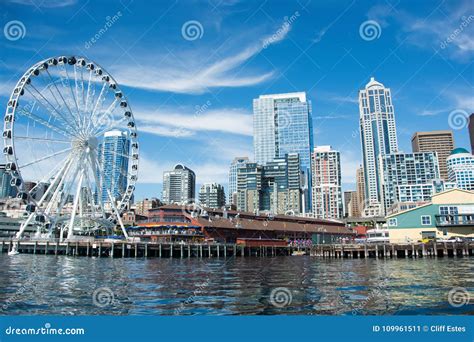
point(99, 101)
point(89, 90)
point(27, 113)
point(46, 157)
point(61, 177)
point(72, 93)
point(48, 106)
point(112, 125)
point(42, 139)
point(98, 183)
point(62, 97)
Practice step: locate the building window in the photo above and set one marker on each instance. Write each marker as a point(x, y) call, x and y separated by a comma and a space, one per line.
point(392, 222)
point(425, 220)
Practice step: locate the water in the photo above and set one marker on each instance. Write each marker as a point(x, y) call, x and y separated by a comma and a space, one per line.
point(38, 284)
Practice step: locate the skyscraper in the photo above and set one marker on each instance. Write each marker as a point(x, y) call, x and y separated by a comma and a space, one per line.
point(441, 142)
point(179, 185)
point(113, 161)
point(471, 131)
point(211, 195)
point(378, 137)
point(408, 177)
point(236, 163)
point(461, 168)
point(282, 124)
point(273, 188)
point(349, 201)
point(358, 202)
point(6, 189)
point(326, 190)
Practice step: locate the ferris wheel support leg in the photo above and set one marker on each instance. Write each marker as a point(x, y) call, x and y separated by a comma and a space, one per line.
point(74, 209)
point(24, 225)
point(124, 231)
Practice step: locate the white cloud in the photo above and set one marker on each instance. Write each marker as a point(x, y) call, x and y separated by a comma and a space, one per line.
point(182, 123)
point(183, 73)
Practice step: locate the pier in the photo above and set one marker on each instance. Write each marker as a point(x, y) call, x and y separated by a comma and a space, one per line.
point(127, 249)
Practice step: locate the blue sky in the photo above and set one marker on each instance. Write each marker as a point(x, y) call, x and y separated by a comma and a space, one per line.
point(191, 91)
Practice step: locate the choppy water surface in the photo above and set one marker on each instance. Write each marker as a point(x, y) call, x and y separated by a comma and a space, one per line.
point(37, 284)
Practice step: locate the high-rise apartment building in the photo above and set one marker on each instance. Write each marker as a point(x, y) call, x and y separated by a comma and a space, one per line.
point(378, 138)
point(357, 204)
point(273, 188)
point(236, 163)
point(461, 168)
point(282, 125)
point(212, 195)
point(6, 189)
point(326, 180)
point(349, 198)
point(441, 142)
point(113, 161)
point(179, 185)
point(142, 207)
point(408, 177)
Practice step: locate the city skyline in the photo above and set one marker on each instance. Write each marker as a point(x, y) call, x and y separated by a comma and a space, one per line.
point(184, 116)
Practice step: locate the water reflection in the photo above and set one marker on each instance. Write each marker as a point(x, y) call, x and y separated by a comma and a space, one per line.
point(64, 285)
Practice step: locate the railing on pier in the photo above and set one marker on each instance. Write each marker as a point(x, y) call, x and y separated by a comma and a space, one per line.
point(451, 220)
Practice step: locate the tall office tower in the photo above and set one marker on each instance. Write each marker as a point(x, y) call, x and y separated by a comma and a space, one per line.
point(441, 142)
point(211, 195)
point(378, 137)
point(282, 124)
point(349, 201)
point(113, 162)
point(236, 163)
point(6, 189)
point(358, 203)
point(408, 177)
point(179, 185)
point(273, 188)
point(461, 168)
point(471, 131)
point(326, 191)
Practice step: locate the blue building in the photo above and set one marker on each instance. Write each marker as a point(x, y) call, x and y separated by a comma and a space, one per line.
point(461, 168)
point(113, 155)
point(282, 125)
point(6, 189)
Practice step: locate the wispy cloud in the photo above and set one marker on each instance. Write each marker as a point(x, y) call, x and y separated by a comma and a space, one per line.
point(185, 76)
point(184, 122)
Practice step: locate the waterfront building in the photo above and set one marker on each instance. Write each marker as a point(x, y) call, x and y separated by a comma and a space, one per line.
point(408, 177)
point(113, 161)
point(212, 195)
point(179, 185)
point(450, 213)
point(471, 131)
point(236, 163)
point(378, 137)
point(282, 125)
point(6, 189)
point(273, 188)
point(326, 180)
point(461, 168)
point(142, 207)
point(441, 142)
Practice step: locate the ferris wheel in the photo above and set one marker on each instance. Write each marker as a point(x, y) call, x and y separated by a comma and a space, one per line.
point(70, 144)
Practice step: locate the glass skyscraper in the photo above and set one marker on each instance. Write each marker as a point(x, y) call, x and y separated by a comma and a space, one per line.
point(461, 169)
point(282, 125)
point(113, 161)
point(236, 163)
point(378, 138)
